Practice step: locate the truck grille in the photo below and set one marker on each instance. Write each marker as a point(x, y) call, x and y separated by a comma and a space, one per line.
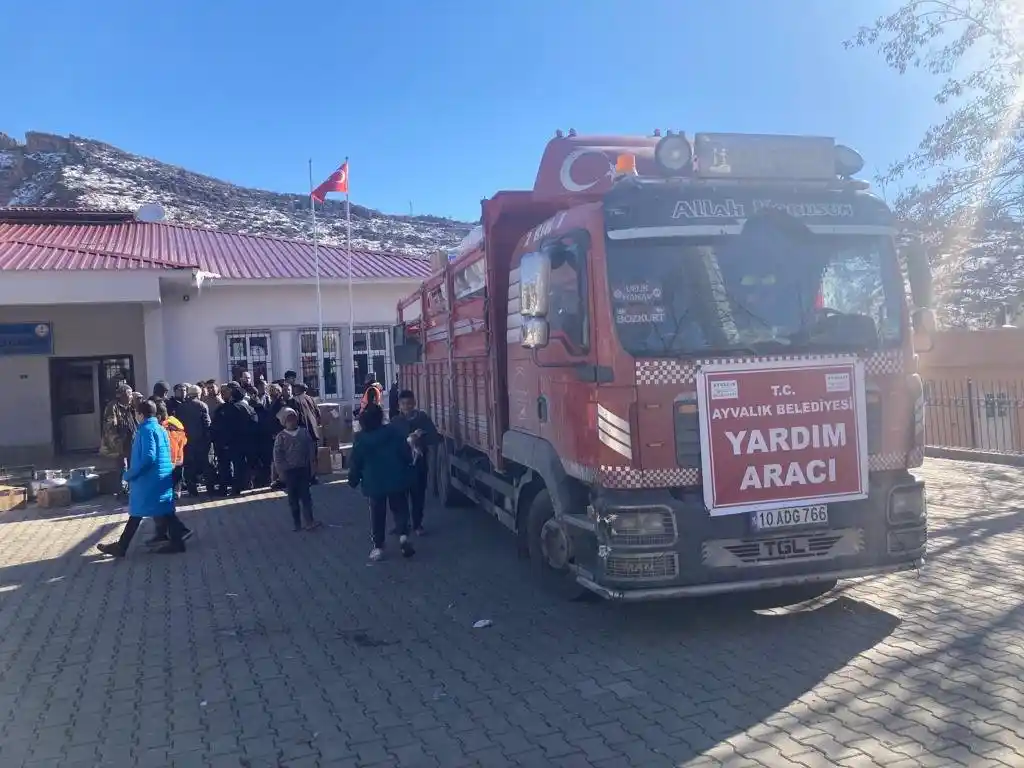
point(725, 553)
point(656, 566)
point(634, 537)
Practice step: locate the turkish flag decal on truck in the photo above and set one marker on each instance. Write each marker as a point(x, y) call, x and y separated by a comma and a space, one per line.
point(779, 433)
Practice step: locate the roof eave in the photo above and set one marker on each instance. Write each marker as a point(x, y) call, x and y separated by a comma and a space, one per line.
point(281, 281)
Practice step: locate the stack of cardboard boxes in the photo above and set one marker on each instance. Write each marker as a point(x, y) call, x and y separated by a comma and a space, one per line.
point(336, 432)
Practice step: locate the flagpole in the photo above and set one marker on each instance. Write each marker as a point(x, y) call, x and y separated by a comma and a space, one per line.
point(319, 302)
point(351, 306)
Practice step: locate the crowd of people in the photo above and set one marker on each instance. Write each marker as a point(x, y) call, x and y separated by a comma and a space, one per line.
point(250, 434)
point(229, 429)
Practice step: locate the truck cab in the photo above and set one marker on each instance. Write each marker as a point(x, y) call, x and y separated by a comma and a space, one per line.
point(703, 367)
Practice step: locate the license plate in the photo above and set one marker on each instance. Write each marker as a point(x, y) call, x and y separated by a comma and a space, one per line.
point(789, 517)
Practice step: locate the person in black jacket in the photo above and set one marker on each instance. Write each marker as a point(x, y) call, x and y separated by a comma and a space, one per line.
point(195, 417)
point(422, 435)
point(276, 402)
point(261, 454)
point(234, 428)
point(177, 397)
point(394, 395)
point(381, 462)
point(309, 412)
point(160, 392)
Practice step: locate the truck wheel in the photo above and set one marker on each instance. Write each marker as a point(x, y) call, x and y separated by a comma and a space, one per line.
point(448, 494)
point(550, 551)
point(780, 597)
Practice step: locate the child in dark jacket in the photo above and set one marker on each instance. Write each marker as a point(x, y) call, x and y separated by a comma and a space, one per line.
point(294, 453)
point(381, 463)
point(422, 434)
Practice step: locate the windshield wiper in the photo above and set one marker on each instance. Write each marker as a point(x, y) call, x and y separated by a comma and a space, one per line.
point(832, 344)
point(756, 349)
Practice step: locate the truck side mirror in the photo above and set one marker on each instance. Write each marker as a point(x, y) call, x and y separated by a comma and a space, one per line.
point(398, 335)
point(408, 353)
point(536, 332)
point(534, 281)
point(919, 275)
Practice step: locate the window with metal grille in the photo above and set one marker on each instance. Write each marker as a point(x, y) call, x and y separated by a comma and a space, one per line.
point(371, 352)
point(249, 350)
point(309, 371)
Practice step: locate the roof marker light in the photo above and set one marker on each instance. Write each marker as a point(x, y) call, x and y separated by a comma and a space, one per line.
point(674, 154)
point(848, 161)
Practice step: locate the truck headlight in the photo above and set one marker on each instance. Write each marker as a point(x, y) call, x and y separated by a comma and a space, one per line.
point(648, 522)
point(907, 505)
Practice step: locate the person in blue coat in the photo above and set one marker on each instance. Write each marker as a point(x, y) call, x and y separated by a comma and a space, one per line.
point(381, 462)
point(150, 479)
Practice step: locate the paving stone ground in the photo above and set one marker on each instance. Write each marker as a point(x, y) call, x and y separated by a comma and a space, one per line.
point(261, 647)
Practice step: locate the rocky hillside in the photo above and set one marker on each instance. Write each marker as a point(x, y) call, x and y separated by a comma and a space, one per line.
point(72, 172)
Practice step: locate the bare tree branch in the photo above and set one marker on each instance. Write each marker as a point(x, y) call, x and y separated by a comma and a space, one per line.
point(967, 172)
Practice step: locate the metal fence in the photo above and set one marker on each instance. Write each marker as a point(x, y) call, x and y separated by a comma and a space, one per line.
point(972, 414)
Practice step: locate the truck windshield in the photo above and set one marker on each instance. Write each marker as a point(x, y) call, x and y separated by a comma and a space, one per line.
point(770, 289)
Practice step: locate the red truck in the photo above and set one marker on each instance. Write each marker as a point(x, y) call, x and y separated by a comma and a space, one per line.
point(682, 367)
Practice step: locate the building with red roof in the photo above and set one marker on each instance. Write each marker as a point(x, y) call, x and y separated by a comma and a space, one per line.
point(88, 297)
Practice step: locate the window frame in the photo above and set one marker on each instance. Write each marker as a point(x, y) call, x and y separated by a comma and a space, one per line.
point(334, 334)
point(371, 353)
point(584, 242)
point(250, 363)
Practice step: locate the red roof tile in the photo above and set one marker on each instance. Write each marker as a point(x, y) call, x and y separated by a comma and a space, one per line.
point(16, 255)
point(65, 240)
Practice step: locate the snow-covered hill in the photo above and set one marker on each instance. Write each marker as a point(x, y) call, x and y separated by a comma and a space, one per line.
point(69, 171)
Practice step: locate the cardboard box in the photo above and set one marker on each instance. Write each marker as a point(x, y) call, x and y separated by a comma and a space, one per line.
point(54, 496)
point(329, 415)
point(323, 461)
point(12, 497)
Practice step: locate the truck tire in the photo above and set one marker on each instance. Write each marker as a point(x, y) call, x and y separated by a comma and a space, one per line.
point(447, 494)
point(780, 597)
point(555, 578)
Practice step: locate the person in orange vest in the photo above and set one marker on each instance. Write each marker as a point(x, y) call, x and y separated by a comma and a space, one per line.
point(176, 435)
point(373, 392)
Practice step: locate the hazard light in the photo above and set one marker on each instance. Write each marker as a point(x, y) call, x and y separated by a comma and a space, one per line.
point(674, 155)
point(625, 165)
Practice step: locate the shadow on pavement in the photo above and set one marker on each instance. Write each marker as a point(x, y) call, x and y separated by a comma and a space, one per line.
point(321, 642)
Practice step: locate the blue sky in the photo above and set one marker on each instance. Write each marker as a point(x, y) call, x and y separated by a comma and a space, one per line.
point(441, 103)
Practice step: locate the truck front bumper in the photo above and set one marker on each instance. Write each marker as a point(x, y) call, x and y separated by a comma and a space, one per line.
point(731, 587)
point(694, 554)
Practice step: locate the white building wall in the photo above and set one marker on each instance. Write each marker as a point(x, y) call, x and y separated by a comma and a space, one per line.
point(78, 331)
point(193, 330)
point(169, 337)
point(33, 288)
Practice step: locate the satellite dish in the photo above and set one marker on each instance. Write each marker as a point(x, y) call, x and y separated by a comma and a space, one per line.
point(150, 212)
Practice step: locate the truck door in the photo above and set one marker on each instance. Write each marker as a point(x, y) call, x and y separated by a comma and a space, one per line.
point(563, 393)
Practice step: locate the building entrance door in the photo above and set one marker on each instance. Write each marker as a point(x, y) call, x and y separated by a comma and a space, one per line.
point(79, 404)
point(79, 389)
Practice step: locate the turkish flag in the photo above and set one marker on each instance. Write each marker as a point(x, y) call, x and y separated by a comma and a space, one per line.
point(336, 182)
